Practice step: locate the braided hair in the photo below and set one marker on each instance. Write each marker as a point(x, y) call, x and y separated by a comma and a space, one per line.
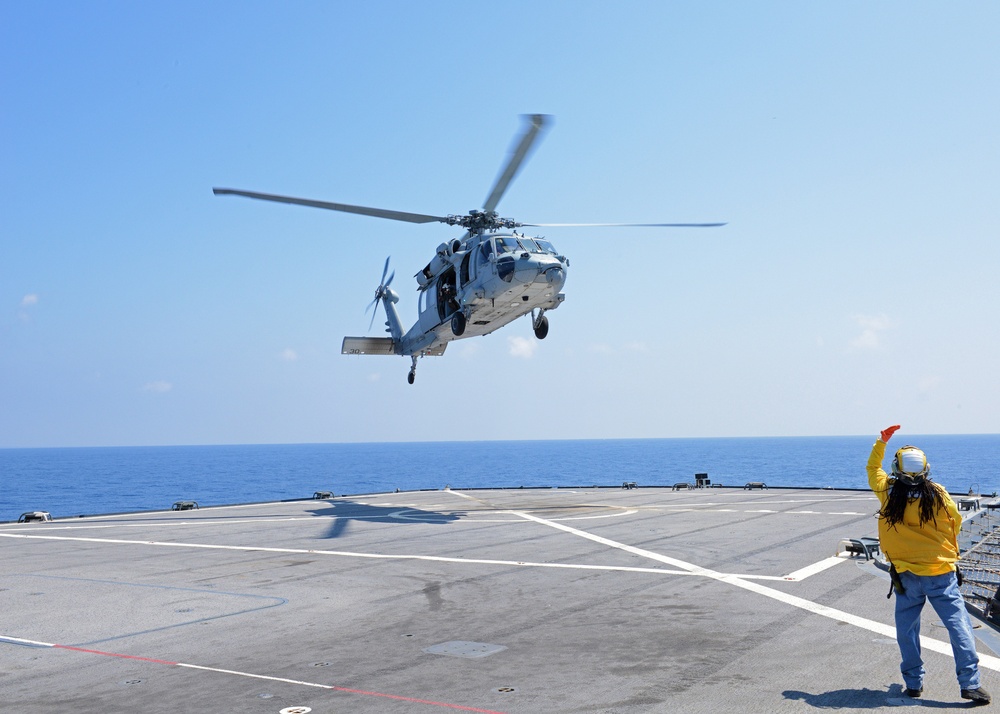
point(900, 494)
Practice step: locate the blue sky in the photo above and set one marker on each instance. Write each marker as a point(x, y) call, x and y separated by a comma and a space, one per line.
point(851, 147)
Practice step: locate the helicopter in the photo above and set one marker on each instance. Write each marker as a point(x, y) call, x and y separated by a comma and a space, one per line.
point(475, 284)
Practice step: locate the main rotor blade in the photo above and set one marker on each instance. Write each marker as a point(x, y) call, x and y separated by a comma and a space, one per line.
point(343, 207)
point(517, 157)
point(622, 225)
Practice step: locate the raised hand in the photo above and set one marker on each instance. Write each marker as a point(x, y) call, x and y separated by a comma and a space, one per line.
point(888, 432)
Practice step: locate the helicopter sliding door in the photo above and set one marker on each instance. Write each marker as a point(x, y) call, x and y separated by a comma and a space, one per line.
point(428, 318)
point(447, 293)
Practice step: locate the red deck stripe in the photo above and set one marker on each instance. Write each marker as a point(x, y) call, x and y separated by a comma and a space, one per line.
point(334, 687)
point(114, 654)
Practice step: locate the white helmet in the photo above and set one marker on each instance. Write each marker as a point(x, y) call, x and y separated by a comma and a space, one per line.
point(910, 466)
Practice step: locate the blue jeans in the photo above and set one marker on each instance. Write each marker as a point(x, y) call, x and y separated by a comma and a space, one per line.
point(945, 598)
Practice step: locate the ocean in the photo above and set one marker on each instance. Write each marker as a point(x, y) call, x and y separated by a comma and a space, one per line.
point(87, 481)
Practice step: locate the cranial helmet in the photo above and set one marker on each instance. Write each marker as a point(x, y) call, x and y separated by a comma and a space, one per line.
point(910, 466)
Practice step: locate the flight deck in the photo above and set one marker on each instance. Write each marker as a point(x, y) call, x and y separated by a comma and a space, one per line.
point(519, 600)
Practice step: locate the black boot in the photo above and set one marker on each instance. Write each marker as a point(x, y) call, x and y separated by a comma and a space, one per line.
point(978, 696)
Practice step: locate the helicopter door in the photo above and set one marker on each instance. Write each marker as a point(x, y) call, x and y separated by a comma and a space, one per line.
point(428, 312)
point(447, 294)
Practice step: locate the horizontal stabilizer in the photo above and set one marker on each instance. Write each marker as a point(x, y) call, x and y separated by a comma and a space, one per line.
point(385, 346)
point(368, 346)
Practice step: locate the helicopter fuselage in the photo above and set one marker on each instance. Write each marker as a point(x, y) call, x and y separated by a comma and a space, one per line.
point(490, 281)
point(476, 286)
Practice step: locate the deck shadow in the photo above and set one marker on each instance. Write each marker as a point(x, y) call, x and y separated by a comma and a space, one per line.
point(344, 512)
point(866, 698)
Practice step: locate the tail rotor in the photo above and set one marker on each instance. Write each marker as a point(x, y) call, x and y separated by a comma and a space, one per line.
point(380, 291)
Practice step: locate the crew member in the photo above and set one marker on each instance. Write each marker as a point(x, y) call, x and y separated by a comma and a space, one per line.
point(918, 526)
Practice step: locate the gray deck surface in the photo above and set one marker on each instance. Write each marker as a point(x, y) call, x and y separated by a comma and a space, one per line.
point(555, 600)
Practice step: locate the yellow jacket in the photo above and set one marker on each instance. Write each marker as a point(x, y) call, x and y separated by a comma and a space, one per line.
point(930, 548)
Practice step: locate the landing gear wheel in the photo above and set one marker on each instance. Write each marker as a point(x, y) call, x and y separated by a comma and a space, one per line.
point(458, 324)
point(542, 327)
point(411, 376)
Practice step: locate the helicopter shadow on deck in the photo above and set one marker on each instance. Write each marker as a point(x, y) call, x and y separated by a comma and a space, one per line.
point(345, 512)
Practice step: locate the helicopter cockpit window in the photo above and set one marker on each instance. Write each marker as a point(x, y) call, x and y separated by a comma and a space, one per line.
point(507, 244)
point(485, 251)
point(545, 246)
point(529, 245)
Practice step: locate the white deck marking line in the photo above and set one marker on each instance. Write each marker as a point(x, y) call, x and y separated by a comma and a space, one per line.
point(255, 676)
point(988, 661)
point(20, 641)
point(682, 509)
point(378, 556)
point(703, 504)
point(350, 554)
point(819, 567)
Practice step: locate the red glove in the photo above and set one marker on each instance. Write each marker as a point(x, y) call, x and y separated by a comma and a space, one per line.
point(888, 432)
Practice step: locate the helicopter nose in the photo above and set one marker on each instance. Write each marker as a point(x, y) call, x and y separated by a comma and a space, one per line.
point(527, 271)
point(555, 276)
point(539, 270)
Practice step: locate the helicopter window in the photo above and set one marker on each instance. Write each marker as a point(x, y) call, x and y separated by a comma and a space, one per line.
point(545, 246)
point(530, 245)
point(486, 251)
point(507, 244)
point(466, 264)
point(505, 268)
